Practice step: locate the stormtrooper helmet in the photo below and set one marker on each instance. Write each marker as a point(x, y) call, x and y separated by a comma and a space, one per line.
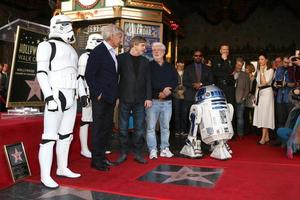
point(61, 27)
point(93, 41)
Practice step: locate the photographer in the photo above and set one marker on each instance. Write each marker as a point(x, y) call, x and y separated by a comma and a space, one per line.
point(284, 83)
point(294, 71)
point(291, 132)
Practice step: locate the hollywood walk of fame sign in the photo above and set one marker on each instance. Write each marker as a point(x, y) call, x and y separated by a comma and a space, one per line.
point(17, 161)
point(23, 88)
point(183, 175)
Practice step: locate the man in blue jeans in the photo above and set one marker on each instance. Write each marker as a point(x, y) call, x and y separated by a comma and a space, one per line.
point(242, 87)
point(135, 96)
point(163, 81)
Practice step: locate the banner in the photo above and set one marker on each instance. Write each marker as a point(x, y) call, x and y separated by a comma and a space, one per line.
point(152, 32)
point(24, 88)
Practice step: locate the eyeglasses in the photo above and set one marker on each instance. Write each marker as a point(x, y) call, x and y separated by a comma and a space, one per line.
point(198, 55)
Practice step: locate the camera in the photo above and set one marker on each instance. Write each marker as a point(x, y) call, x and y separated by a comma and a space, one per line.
point(279, 83)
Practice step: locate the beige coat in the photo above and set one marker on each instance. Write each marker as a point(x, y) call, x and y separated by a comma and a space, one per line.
point(242, 87)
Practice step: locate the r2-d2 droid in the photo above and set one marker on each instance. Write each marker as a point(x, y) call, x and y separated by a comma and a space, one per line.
point(212, 115)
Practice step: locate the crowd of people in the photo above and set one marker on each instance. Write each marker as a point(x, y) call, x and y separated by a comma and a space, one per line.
point(151, 92)
point(259, 94)
point(154, 93)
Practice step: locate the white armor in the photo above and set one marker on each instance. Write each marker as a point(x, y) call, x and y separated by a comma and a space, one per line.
point(212, 116)
point(61, 27)
point(57, 76)
point(93, 40)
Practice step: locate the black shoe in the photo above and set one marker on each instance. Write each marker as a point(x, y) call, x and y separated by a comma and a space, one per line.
point(140, 159)
point(108, 163)
point(100, 167)
point(121, 159)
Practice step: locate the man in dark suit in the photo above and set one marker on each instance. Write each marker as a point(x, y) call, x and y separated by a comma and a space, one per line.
point(223, 67)
point(195, 76)
point(102, 78)
point(135, 96)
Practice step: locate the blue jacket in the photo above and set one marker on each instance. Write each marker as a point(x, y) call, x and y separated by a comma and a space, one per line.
point(101, 75)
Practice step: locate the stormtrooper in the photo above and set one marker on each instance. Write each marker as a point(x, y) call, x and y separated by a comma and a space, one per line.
point(93, 40)
point(212, 116)
point(57, 76)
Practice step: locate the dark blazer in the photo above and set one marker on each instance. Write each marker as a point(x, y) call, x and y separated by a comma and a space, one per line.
point(101, 75)
point(134, 88)
point(189, 77)
point(222, 72)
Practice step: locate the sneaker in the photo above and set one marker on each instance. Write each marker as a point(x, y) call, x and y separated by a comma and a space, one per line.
point(153, 154)
point(166, 153)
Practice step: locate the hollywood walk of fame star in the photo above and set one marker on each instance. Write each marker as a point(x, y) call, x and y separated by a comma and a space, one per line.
point(17, 155)
point(186, 173)
point(34, 89)
point(61, 191)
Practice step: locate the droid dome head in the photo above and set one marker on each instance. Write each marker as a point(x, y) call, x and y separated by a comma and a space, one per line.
point(61, 27)
point(93, 41)
point(210, 92)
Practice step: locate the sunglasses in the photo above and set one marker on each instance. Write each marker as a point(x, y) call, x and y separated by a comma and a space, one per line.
point(197, 55)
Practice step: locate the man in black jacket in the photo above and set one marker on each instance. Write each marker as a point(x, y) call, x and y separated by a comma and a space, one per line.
point(102, 78)
point(135, 96)
point(195, 76)
point(223, 67)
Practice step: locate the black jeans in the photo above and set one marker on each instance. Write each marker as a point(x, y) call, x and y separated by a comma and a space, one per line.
point(138, 112)
point(186, 112)
point(101, 128)
point(180, 115)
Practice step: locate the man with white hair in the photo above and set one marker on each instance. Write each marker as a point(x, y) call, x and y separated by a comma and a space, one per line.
point(163, 80)
point(102, 78)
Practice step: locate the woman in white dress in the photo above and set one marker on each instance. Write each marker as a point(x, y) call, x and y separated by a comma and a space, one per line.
point(264, 108)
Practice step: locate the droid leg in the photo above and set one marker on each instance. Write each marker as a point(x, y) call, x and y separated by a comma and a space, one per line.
point(83, 135)
point(228, 147)
point(45, 160)
point(62, 153)
point(220, 151)
point(193, 146)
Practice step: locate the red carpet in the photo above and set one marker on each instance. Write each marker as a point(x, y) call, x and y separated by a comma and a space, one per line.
point(255, 172)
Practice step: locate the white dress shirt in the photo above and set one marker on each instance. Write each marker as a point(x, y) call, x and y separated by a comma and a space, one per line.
point(112, 53)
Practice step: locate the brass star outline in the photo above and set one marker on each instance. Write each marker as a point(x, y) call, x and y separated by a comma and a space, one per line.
point(186, 173)
point(61, 191)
